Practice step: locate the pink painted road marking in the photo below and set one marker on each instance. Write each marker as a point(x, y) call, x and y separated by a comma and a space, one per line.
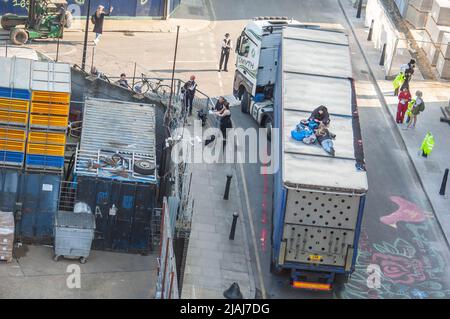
point(406, 212)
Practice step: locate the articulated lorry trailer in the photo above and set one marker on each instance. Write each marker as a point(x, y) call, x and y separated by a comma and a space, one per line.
point(318, 199)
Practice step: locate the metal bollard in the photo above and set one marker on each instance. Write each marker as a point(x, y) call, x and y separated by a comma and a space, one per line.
point(444, 183)
point(369, 37)
point(233, 226)
point(227, 187)
point(383, 55)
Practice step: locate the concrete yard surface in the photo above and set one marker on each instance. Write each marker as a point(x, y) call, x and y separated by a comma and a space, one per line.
point(106, 275)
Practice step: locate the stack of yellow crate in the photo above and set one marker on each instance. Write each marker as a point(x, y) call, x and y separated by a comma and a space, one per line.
point(14, 109)
point(49, 115)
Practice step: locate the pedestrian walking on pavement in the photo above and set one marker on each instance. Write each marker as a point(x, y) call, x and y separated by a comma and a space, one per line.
point(188, 90)
point(403, 99)
point(97, 19)
point(416, 106)
point(225, 52)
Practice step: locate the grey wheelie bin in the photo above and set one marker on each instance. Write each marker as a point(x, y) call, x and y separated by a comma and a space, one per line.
point(74, 233)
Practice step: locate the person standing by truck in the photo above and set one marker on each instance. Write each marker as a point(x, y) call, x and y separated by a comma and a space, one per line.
point(97, 19)
point(225, 120)
point(188, 90)
point(225, 52)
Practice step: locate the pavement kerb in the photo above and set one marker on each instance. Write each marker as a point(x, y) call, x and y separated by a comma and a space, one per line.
point(246, 241)
point(392, 121)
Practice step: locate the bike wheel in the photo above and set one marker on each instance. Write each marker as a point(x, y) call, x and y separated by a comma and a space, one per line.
point(141, 87)
point(163, 91)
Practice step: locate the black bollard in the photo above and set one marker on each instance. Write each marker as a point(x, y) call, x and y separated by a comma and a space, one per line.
point(369, 37)
point(444, 183)
point(233, 225)
point(227, 187)
point(234, 292)
point(383, 55)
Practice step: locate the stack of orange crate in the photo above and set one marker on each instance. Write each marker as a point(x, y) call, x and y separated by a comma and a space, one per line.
point(49, 115)
point(14, 109)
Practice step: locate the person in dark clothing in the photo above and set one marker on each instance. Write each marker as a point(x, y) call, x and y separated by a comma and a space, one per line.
point(325, 139)
point(188, 90)
point(225, 52)
point(98, 18)
point(320, 115)
point(219, 104)
point(225, 122)
point(409, 71)
point(123, 81)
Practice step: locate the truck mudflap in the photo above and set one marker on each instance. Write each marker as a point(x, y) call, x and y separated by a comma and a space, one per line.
point(320, 281)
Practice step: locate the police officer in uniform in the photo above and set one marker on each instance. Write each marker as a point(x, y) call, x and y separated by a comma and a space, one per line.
point(225, 52)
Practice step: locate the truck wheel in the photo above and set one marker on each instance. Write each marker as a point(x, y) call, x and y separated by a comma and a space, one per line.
point(245, 102)
point(68, 19)
point(19, 36)
point(7, 25)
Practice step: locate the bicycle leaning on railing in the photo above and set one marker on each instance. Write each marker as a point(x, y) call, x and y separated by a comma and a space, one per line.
point(155, 85)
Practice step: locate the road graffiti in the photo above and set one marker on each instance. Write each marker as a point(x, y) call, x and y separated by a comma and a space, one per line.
point(411, 267)
point(406, 212)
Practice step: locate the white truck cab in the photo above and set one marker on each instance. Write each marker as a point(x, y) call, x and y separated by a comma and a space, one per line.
point(256, 66)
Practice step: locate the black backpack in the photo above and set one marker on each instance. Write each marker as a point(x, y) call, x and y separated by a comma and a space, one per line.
point(93, 18)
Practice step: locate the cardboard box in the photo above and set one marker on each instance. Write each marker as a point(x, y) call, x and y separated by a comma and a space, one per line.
point(445, 46)
point(436, 31)
point(440, 11)
point(417, 18)
point(443, 67)
point(422, 5)
point(6, 236)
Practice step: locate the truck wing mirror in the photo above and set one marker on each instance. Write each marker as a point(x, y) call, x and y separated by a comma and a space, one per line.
point(238, 44)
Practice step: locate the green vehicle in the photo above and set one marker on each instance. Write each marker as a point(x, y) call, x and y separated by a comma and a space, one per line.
point(46, 19)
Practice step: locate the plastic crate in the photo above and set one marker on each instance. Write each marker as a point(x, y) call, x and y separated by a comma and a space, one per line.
point(14, 146)
point(12, 134)
point(15, 158)
point(8, 117)
point(44, 161)
point(46, 138)
point(48, 108)
point(48, 121)
point(10, 93)
point(45, 149)
point(14, 105)
point(51, 97)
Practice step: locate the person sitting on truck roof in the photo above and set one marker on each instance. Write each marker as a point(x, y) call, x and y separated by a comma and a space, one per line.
point(320, 115)
point(324, 137)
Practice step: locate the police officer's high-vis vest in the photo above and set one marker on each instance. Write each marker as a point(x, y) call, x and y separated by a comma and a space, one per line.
point(427, 144)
